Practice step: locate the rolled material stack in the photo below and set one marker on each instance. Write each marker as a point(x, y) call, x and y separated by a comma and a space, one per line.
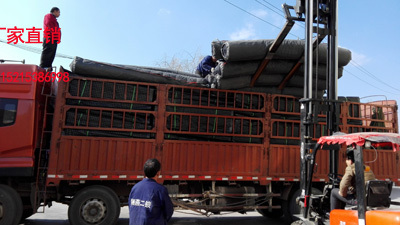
point(90, 68)
point(241, 60)
point(98, 107)
point(105, 108)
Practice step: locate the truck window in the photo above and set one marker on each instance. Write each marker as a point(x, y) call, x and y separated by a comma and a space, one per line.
point(8, 111)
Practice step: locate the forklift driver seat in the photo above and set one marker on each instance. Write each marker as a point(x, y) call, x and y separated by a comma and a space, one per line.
point(378, 193)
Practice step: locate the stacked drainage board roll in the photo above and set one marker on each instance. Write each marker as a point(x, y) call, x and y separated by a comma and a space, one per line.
point(95, 120)
point(216, 46)
point(242, 59)
point(91, 68)
point(212, 115)
point(82, 120)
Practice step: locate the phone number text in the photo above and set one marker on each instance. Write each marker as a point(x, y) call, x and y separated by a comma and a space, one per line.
point(15, 77)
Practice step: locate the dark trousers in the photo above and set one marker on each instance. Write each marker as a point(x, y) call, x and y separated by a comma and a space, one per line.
point(338, 201)
point(48, 54)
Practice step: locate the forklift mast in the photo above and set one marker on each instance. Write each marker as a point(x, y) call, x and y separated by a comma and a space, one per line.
point(320, 17)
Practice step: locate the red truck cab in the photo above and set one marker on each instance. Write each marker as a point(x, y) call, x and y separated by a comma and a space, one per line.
point(21, 113)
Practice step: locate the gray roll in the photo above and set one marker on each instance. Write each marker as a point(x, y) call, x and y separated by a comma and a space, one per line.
point(91, 68)
point(290, 49)
point(251, 50)
point(242, 68)
point(245, 50)
point(344, 55)
point(236, 69)
point(235, 82)
point(321, 71)
point(216, 46)
point(295, 81)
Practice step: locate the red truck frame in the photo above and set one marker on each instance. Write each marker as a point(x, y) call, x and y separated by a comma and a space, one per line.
point(220, 150)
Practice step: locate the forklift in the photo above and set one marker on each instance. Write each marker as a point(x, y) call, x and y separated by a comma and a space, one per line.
point(373, 198)
point(320, 17)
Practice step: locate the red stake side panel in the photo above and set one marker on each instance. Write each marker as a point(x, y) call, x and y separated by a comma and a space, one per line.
point(355, 117)
point(398, 168)
point(382, 162)
point(106, 129)
point(100, 158)
point(213, 158)
point(286, 163)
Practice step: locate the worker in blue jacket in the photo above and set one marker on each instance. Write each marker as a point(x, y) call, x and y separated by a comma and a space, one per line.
point(149, 202)
point(205, 66)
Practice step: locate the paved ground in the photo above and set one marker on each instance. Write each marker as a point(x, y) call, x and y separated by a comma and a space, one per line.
point(57, 215)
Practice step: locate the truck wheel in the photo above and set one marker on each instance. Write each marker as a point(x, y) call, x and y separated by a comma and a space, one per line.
point(10, 206)
point(275, 213)
point(26, 213)
point(94, 205)
point(290, 208)
point(27, 209)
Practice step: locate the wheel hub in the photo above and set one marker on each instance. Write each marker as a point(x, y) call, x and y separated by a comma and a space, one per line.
point(93, 210)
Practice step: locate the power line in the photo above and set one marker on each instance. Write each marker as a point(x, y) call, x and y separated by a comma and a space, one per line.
point(35, 50)
point(279, 11)
point(273, 10)
point(362, 69)
point(272, 5)
point(358, 66)
point(369, 83)
point(238, 7)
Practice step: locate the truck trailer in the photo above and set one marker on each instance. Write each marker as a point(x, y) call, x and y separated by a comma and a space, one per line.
point(82, 141)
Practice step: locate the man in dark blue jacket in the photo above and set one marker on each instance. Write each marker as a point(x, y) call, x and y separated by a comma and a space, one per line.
point(204, 67)
point(149, 202)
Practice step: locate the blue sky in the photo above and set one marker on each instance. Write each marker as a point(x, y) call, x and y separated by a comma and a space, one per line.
point(144, 32)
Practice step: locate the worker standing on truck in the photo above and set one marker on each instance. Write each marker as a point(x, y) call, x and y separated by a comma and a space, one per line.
point(149, 202)
point(52, 37)
point(206, 65)
point(346, 191)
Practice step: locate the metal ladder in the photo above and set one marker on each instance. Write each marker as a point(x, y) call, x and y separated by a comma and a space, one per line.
point(43, 152)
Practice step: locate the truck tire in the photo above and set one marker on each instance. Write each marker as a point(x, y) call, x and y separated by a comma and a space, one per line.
point(27, 209)
point(290, 208)
point(10, 206)
point(26, 213)
point(275, 213)
point(94, 205)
